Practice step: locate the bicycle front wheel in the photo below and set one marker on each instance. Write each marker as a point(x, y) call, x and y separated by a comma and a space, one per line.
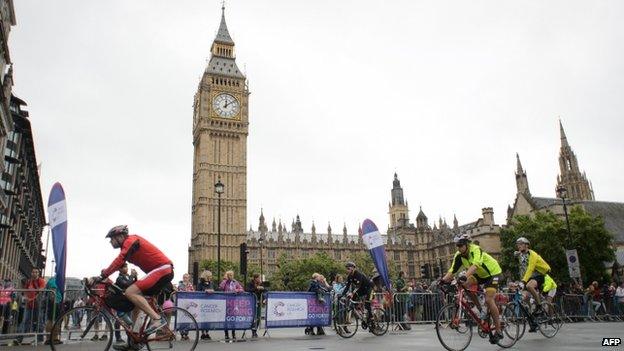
point(510, 327)
point(517, 317)
point(549, 321)
point(380, 322)
point(81, 328)
point(345, 321)
point(181, 333)
point(454, 328)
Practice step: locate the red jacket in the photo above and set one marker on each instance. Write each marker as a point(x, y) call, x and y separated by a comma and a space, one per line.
point(140, 252)
point(33, 284)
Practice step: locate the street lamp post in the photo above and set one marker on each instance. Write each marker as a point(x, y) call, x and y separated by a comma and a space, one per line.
point(219, 189)
point(562, 192)
point(572, 255)
point(260, 242)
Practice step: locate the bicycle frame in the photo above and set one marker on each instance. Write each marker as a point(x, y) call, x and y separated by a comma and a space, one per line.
point(463, 305)
point(518, 300)
point(100, 305)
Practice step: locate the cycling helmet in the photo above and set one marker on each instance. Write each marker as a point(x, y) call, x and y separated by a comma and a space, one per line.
point(349, 265)
point(117, 230)
point(462, 239)
point(522, 240)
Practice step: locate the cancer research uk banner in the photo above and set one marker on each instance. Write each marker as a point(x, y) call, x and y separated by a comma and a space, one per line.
point(218, 310)
point(297, 309)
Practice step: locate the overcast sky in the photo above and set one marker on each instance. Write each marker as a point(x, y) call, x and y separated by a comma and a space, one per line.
point(343, 94)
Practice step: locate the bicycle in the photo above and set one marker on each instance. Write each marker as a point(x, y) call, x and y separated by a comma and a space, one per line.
point(548, 321)
point(458, 319)
point(348, 314)
point(181, 333)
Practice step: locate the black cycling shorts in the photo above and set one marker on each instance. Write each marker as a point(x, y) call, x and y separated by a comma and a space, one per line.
point(489, 282)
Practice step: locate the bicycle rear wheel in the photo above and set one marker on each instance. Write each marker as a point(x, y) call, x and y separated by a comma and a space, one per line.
point(550, 321)
point(87, 329)
point(380, 322)
point(345, 321)
point(454, 328)
point(181, 333)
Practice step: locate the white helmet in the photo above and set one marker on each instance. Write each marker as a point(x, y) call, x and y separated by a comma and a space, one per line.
point(522, 240)
point(462, 239)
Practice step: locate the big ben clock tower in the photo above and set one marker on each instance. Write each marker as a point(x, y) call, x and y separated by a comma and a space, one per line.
point(220, 129)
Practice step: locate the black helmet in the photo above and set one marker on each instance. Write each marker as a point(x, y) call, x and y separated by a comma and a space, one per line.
point(117, 230)
point(349, 265)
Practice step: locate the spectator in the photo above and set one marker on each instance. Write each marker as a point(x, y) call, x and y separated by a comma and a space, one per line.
point(319, 286)
point(205, 284)
point(619, 295)
point(338, 284)
point(98, 289)
point(255, 287)
point(400, 301)
point(124, 280)
point(229, 284)
point(185, 285)
point(32, 320)
point(608, 292)
point(67, 304)
point(7, 295)
point(77, 317)
point(53, 305)
point(594, 295)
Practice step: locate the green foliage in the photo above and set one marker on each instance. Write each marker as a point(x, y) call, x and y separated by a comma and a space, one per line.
point(299, 272)
point(548, 236)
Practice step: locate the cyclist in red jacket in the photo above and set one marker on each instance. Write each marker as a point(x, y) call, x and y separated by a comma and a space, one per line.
point(158, 268)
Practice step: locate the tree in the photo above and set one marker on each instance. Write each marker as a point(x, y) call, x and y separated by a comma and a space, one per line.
point(548, 236)
point(296, 274)
point(211, 265)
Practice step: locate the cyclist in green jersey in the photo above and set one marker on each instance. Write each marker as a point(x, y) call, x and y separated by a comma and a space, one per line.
point(482, 269)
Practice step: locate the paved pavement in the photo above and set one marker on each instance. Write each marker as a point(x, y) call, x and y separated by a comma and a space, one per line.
point(572, 337)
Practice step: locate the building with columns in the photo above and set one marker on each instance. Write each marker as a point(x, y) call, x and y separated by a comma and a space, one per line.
point(579, 192)
point(220, 129)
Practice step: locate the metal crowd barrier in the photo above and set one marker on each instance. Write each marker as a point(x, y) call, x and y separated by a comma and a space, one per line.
point(25, 314)
point(578, 307)
point(420, 308)
point(27, 322)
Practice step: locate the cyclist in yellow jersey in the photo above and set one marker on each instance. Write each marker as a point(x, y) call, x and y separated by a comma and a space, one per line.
point(533, 269)
point(549, 288)
point(482, 269)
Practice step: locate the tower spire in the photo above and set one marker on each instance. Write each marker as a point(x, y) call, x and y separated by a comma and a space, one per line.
point(570, 176)
point(522, 182)
point(223, 35)
point(519, 169)
point(564, 139)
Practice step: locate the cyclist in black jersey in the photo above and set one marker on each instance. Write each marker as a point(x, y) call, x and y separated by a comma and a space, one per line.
point(362, 289)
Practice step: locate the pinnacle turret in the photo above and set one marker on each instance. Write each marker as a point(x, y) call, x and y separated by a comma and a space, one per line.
point(223, 35)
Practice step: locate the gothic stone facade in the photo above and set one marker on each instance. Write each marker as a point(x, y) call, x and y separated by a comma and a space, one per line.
point(580, 192)
point(409, 246)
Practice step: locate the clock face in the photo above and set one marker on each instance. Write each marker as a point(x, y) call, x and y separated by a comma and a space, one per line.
point(226, 105)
